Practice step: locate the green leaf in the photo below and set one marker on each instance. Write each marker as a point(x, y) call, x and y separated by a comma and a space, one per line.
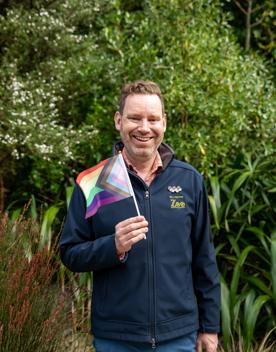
point(237, 272)
point(234, 245)
point(214, 210)
point(251, 311)
point(240, 180)
point(15, 214)
point(225, 314)
point(258, 283)
point(219, 247)
point(273, 264)
point(46, 233)
point(33, 208)
point(68, 191)
point(261, 236)
point(214, 181)
point(237, 184)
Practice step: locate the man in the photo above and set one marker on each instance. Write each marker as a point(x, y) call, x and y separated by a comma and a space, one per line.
point(155, 278)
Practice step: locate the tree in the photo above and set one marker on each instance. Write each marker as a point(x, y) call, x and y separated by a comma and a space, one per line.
point(255, 22)
point(218, 100)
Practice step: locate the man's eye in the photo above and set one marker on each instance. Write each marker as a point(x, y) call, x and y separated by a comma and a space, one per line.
point(153, 120)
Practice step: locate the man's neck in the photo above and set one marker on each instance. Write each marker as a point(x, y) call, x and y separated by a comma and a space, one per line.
point(142, 166)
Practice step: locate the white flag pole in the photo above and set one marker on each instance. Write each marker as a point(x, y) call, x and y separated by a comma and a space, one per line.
point(129, 183)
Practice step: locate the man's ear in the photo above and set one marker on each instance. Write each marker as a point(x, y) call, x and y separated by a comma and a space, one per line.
point(117, 120)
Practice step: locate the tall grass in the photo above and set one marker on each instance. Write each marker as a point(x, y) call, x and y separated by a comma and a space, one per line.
point(267, 344)
point(32, 311)
point(34, 231)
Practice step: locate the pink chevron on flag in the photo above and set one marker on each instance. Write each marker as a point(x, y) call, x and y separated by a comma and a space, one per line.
point(105, 183)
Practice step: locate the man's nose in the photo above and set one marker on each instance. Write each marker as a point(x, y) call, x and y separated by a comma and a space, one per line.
point(144, 125)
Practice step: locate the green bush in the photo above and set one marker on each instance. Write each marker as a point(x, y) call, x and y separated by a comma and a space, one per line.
point(243, 209)
point(218, 100)
point(62, 65)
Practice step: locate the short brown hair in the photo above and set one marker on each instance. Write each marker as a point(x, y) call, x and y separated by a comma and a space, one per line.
point(139, 87)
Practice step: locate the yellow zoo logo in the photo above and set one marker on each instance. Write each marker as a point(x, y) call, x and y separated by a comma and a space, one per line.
point(176, 204)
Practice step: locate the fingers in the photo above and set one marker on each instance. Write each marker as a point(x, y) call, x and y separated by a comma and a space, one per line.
point(131, 225)
point(207, 342)
point(198, 346)
point(129, 232)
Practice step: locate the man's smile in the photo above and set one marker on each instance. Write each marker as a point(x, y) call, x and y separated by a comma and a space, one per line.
point(142, 139)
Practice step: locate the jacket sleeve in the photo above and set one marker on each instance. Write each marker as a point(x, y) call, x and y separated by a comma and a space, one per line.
point(80, 251)
point(205, 271)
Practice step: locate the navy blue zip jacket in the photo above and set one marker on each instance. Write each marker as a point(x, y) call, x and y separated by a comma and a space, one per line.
point(168, 286)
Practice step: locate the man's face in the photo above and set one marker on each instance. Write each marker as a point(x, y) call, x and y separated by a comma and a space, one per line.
point(141, 126)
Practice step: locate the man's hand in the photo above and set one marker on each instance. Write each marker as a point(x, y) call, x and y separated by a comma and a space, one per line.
point(207, 342)
point(129, 232)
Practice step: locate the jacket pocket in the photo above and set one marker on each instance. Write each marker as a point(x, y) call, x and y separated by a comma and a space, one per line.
point(174, 292)
point(124, 296)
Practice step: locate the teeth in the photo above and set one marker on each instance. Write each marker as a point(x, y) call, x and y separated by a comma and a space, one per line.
point(142, 139)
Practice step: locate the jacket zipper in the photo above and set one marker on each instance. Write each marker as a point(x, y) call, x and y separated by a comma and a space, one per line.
point(153, 322)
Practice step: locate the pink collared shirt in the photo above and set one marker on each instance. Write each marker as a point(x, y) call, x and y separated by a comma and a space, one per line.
point(156, 165)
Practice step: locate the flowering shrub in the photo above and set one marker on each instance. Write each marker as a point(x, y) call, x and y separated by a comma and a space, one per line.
point(43, 54)
point(41, 85)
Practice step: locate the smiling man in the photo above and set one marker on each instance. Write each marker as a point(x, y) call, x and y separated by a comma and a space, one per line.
point(142, 124)
point(161, 292)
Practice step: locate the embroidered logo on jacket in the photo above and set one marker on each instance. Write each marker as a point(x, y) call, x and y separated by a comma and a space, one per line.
point(174, 189)
point(177, 202)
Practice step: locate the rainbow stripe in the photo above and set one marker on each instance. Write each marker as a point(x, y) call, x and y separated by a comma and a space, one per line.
point(105, 183)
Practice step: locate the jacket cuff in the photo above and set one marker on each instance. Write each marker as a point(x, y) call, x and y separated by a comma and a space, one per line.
point(209, 329)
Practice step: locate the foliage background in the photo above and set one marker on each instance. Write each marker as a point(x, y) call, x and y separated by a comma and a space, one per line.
point(62, 66)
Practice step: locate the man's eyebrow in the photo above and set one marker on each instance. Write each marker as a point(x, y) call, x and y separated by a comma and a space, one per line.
point(152, 116)
point(133, 115)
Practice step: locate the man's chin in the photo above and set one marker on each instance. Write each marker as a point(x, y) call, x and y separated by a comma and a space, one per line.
point(143, 155)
